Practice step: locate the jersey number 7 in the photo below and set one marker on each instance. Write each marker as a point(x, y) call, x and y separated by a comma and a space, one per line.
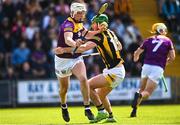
point(158, 44)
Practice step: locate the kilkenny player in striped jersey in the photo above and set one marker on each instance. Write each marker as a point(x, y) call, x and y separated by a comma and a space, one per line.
point(109, 49)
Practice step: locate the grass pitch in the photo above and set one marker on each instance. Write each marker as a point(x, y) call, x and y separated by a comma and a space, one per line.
point(147, 115)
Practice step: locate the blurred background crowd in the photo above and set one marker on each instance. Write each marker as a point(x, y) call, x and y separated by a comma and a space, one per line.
point(29, 32)
point(169, 11)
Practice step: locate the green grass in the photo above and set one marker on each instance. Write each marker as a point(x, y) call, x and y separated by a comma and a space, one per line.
point(147, 115)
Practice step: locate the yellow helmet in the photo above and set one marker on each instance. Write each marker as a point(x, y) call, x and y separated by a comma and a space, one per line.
point(159, 28)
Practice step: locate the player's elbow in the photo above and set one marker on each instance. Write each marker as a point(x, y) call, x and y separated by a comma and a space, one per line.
point(172, 56)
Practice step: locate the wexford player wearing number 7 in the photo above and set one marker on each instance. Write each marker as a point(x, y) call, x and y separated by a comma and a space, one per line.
point(159, 52)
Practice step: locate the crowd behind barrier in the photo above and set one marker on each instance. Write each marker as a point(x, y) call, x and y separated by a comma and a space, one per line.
point(29, 32)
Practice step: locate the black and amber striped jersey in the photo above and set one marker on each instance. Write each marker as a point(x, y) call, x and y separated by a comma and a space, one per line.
point(108, 47)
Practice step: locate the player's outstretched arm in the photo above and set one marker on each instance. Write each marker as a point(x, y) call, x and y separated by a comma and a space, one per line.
point(84, 47)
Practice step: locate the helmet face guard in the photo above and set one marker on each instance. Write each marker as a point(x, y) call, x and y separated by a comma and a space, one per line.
point(77, 7)
point(159, 28)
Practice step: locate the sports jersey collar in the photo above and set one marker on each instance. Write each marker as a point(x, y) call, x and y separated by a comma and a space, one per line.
point(72, 19)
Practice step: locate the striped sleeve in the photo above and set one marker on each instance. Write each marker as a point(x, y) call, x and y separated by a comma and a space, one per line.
point(68, 27)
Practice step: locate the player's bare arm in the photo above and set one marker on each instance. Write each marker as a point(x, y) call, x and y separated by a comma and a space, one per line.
point(69, 41)
point(137, 53)
point(89, 33)
point(58, 50)
point(84, 47)
point(87, 46)
point(171, 57)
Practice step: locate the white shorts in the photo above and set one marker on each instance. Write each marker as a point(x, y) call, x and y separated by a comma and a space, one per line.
point(152, 72)
point(64, 66)
point(115, 75)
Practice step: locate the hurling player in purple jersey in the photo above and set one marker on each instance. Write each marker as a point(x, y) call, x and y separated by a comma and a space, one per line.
point(109, 49)
point(159, 52)
point(66, 64)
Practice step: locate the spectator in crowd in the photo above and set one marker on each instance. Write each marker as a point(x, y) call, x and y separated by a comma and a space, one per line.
point(122, 9)
point(8, 10)
point(118, 27)
point(20, 55)
point(159, 5)
point(10, 75)
point(62, 11)
point(26, 71)
point(169, 11)
point(31, 30)
point(33, 9)
point(17, 30)
point(8, 46)
point(1, 13)
point(39, 65)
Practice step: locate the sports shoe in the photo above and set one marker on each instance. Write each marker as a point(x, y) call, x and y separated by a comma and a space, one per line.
point(89, 114)
point(135, 101)
point(133, 113)
point(110, 120)
point(65, 115)
point(100, 116)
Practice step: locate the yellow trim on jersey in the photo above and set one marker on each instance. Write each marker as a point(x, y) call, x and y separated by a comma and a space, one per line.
point(103, 56)
point(68, 29)
point(106, 45)
point(77, 26)
point(118, 54)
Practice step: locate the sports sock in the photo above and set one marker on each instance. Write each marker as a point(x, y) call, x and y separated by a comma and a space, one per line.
point(100, 108)
point(87, 107)
point(64, 106)
point(110, 115)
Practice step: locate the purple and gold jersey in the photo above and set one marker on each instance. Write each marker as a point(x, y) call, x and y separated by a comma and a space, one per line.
point(156, 49)
point(69, 25)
